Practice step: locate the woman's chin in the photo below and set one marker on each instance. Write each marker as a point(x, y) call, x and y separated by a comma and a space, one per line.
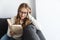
point(22, 18)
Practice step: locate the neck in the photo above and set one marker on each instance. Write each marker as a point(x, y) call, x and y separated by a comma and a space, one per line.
point(21, 21)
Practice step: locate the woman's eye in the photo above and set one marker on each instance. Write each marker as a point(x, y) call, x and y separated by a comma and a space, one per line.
point(21, 12)
point(24, 12)
point(29, 12)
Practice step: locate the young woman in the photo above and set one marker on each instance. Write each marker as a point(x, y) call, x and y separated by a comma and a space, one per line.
point(22, 18)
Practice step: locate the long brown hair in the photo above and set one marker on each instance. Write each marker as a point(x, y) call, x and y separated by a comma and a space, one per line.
point(26, 20)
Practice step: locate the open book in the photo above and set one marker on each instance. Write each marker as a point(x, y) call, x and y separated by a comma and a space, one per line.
point(17, 29)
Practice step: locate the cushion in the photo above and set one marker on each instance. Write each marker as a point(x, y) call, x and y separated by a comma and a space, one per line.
point(3, 26)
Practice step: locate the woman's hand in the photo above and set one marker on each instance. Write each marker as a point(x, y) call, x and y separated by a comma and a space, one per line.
point(12, 33)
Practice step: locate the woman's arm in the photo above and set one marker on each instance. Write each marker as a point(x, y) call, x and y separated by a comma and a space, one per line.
point(35, 22)
point(10, 23)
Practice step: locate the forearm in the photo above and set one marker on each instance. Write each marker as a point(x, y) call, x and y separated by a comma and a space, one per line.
point(35, 22)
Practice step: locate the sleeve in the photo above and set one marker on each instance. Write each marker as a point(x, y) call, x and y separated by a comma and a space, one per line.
point(35, 22)
point(11, 21)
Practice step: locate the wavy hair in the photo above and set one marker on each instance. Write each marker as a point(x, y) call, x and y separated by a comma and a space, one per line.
point(26, 20)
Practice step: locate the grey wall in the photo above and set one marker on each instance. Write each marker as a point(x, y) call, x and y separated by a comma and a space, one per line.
point(8, 8)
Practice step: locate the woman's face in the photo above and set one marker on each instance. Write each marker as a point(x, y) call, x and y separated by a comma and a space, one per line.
point(23, 13)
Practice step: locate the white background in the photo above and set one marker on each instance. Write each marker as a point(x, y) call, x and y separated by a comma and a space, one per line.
point(48, 14)
point(8, 8)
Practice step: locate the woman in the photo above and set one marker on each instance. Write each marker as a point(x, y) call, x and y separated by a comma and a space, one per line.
point(22, 18)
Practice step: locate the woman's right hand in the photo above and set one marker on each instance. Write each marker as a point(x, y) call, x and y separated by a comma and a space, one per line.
point(12, 33)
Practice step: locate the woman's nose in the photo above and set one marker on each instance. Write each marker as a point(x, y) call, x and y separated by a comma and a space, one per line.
point(22, 14)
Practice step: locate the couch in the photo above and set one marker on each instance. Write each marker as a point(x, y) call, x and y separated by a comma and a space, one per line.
point(4, 27)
